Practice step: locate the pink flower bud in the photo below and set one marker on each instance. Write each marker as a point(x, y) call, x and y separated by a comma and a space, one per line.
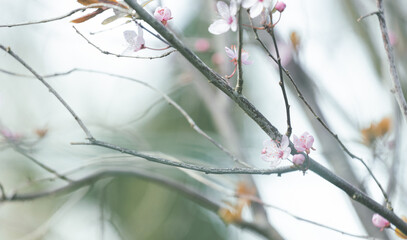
point(162, 14)
point(380, 222)
point(298, 159)
point(280, 6)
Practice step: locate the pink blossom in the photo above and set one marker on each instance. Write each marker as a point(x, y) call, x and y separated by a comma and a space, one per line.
point(256, 6)
point(380, 222)
point(202, 45)
point(298, 159)
point(228, 18)
point(280, 6)
point(135, 40)
point(162, 14)
point(274, 153)
point(304, 143)
point(234, 54)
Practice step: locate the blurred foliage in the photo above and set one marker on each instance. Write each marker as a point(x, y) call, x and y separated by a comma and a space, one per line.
point(147, 211)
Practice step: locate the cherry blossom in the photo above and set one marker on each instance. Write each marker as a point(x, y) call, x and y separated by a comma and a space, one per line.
point(256, 6)
point(280, 6)
point(298, 159)
point(228, 20)
point(274, 152)
point(234, 54)
point(304, 143)
point(162, 14)
point(135, 40)
point(380, 222)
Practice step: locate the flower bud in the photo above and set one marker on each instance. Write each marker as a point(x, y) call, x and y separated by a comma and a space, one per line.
point(280, 6)
point(298, 159)
point(380, 222)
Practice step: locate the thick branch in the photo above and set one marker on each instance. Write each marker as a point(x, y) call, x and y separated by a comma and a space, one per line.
point(239, 83)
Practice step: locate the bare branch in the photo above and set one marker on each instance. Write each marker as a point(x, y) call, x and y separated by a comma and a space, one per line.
point(239, 81)
point(51, 89)
point(119, 55)
point(281, 83)
point(396, 90)
point(39, 163)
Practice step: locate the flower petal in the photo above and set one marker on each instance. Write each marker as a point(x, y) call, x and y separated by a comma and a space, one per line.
point(245, 58)
point(275, 163)
point(218, 27)
point(256, 9)
point(232, 54)
point(223, 9)
point(267, 3)
point(284, 142)
point(130, 37)
point(233, 25)
point(248, 3)
point(233, 8)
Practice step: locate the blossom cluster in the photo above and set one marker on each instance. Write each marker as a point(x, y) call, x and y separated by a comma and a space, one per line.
point(275, 151)
point(228, 20)
point(136, 40)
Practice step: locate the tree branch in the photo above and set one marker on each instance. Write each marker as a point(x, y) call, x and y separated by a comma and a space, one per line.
point(239, 81)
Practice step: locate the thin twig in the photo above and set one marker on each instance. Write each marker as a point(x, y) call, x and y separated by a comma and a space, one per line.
point(394, 75)
point(239, 81)
point(119, 55)
point(51, 89)
point(150, 32)
point(68, 14)
point(39, 163)
point(395, 79)
point(367, 15)
point(281, 83)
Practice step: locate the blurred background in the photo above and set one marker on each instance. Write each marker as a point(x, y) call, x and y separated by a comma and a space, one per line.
point(338, 63)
